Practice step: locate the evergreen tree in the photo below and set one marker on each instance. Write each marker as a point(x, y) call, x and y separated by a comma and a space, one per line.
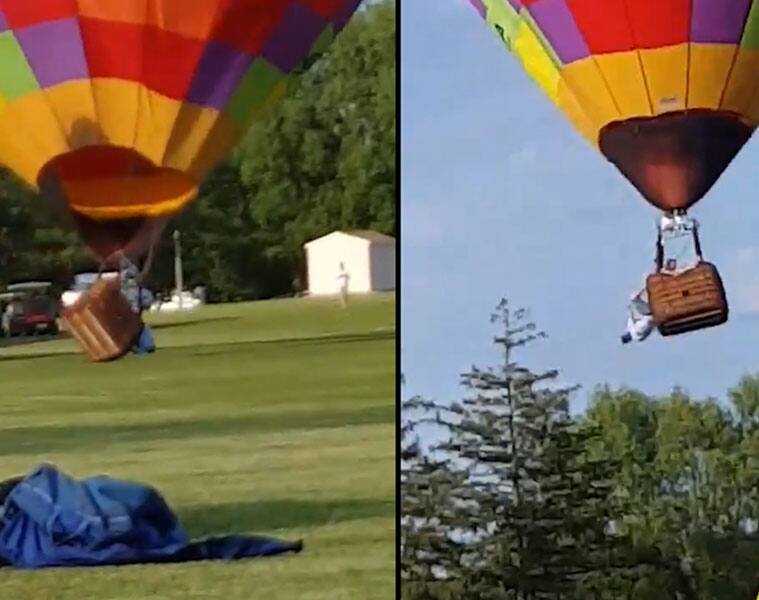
point(523, 504)
point(429, 557)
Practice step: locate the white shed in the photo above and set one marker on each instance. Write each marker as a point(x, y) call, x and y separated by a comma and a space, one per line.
point(367, 257)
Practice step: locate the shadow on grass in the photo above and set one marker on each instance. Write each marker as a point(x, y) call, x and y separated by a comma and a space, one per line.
point(241, 517)
point(224, 347)
point(26, 341)
point(41, 355)
point(55, 438)
point(350, 338)
point(191, 323)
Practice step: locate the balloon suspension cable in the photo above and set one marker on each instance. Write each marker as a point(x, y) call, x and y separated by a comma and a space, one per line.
point(677, 223)
point(148, 264)
point(121, 259)
point(673, 225)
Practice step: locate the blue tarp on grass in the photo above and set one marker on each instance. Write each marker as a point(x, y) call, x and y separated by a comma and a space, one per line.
point(52, 520)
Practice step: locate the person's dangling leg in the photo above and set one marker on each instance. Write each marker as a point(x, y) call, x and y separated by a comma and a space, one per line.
point(145, 343)
point(146, 340)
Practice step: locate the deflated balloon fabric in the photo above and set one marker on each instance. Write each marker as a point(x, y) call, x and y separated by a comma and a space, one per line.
point(52, 520)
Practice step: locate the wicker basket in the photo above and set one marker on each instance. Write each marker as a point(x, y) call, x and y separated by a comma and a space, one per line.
point(694, 299)
point(103, 323)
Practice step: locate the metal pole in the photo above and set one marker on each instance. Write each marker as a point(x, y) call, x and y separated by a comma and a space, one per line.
point(178, 273)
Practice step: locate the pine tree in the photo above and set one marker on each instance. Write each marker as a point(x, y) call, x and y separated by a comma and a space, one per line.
point(430, 559)
point(514, 430)
point(524, 508)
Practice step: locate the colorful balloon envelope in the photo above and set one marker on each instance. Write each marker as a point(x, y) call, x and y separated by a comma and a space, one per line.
point(667, 90)
point(119, 109)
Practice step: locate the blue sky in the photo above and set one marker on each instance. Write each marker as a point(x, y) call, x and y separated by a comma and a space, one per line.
point(500, 197)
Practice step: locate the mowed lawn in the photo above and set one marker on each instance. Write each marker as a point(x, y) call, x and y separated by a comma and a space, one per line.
point(273, 418)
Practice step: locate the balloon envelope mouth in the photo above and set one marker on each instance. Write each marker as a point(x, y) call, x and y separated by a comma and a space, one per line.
point(109, 182)
point(674, 159)
point(119, 200)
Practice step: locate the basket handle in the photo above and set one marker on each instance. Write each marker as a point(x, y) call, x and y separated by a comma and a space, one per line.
point(147, 265)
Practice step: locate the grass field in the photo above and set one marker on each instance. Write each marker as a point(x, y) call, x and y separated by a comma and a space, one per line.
point(273, 418)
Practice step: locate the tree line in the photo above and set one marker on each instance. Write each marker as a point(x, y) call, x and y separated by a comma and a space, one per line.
point(324, 159)
point(506, 495)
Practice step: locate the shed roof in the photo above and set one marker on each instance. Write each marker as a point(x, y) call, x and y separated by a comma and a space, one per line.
point(373, 237)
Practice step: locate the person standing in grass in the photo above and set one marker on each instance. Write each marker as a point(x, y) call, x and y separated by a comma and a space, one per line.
point(344, 280)
point(8, 314)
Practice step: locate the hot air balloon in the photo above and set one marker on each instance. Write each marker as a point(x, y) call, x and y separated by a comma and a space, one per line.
point(666, 90)
point(117, 110)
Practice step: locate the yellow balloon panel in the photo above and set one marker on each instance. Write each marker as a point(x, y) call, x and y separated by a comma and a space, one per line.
point(742, 90)
point(156, 117)
point(623, 75)
point(24, 157)
point(666, 74)
point(200, 138)
point(575, 113)
point(542, 67)
point(585, 79)
point(118, 110)
point(710, 66)
point(73, 105)
point(31, 123)
point(536, 61)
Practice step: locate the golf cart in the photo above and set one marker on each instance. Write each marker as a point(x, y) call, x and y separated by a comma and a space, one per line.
point(28, 309)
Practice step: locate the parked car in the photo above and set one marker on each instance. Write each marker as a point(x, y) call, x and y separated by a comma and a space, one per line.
point(28, 309)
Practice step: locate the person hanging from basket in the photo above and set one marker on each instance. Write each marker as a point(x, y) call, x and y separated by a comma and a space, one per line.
point(106, 321)
point(679, 296)
point(132, 289)
point(640, 321)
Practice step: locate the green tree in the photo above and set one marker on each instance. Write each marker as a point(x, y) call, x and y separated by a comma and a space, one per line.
point(430, 558)
point(523, 505)
point(326, 157)
point(686, 473)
